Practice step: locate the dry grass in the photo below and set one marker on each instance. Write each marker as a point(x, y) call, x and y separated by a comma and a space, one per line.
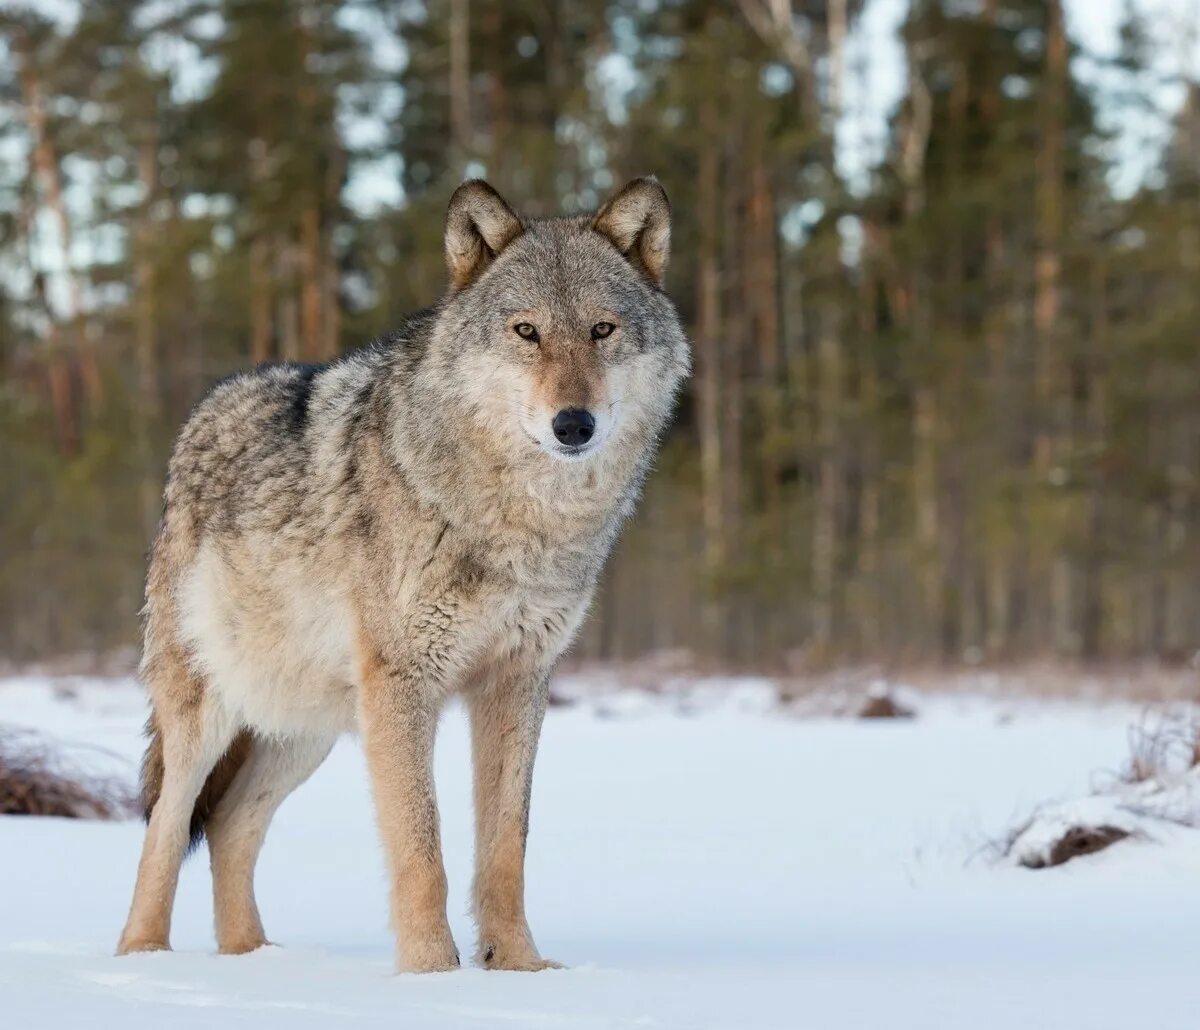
point(37, 778)
point(1162, 747)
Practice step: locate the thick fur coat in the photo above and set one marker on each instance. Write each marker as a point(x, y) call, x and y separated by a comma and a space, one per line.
point(345, 546)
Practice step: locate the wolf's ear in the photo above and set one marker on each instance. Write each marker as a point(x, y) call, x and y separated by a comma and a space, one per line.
point(638, 221)
point(479, 224)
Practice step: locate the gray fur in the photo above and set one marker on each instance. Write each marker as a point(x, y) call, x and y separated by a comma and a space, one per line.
point(349, 544)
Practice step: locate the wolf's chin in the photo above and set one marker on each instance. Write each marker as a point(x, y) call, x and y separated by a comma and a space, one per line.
point(573, 454)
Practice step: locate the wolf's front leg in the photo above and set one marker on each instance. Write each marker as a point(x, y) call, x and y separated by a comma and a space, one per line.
point(399, 714)
point(506, 720)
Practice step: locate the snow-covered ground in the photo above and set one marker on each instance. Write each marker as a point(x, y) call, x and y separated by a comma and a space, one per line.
point(722, 868)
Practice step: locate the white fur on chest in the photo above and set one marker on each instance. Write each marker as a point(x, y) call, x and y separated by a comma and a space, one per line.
point(276, 650)
point(278, 647)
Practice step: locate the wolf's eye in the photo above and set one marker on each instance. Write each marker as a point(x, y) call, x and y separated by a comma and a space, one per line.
point(602, 329)
point(526, 331)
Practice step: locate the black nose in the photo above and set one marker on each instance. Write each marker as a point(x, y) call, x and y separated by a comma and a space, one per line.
point(574, 427)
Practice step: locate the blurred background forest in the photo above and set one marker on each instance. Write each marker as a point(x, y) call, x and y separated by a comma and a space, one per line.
point(947, 393)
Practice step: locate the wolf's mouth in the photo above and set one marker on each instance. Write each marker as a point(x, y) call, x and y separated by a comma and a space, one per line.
point(561, 452)
point(574, 453)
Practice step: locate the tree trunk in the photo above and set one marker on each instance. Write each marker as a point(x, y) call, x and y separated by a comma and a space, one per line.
point(1049, 439)
point(498, 106)
point(734, 346)
point(764, 282)
point(149, 409)
point(828, 398)
point(261, 300)
point(1048, 261)
point(460, 78)
point(45, 160)
point(289, 322)
point(311, 272)
point(1091, 628)
point(708, 360)
point(914, 141)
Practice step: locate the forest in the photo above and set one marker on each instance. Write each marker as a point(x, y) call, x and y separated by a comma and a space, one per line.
point(946, 403)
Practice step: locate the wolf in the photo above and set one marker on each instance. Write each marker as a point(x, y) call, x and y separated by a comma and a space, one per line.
point(346, 546)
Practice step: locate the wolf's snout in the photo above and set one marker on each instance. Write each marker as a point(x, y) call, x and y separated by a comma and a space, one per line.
point(573, 427)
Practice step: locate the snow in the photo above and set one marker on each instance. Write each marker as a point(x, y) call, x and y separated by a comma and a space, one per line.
point(719, 866)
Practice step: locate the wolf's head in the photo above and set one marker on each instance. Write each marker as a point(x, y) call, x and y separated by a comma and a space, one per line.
point(556, 332)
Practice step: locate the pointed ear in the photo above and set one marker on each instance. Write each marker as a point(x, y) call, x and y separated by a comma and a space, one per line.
point(638, 221)
point(479, 224)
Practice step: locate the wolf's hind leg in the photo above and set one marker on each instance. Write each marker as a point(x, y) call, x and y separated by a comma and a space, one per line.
point(195, 733)
point(238, 826)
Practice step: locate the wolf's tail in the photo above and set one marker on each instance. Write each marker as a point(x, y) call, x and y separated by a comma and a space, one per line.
point(215, 785)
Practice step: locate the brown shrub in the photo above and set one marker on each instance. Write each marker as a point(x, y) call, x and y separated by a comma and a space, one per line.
point(884, 706)
point(1077, 841)
point(38, 779)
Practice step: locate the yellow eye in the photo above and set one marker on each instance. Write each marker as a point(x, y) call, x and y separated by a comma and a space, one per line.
point(602, 329)
point(526, 331)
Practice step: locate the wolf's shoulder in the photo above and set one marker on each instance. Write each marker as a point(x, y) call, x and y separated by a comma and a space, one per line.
point(283, 397)
point(274, 396)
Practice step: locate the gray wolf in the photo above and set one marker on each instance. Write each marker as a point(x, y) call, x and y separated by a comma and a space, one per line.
point(346, 546)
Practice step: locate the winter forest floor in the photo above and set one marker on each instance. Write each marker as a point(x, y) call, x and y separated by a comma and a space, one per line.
point(707, 863)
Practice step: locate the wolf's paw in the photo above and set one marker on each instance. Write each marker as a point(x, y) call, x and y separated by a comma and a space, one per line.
point(242, 945)
point(430, 956)
point(523, 964)
point(135, 945)
point(517, 956)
